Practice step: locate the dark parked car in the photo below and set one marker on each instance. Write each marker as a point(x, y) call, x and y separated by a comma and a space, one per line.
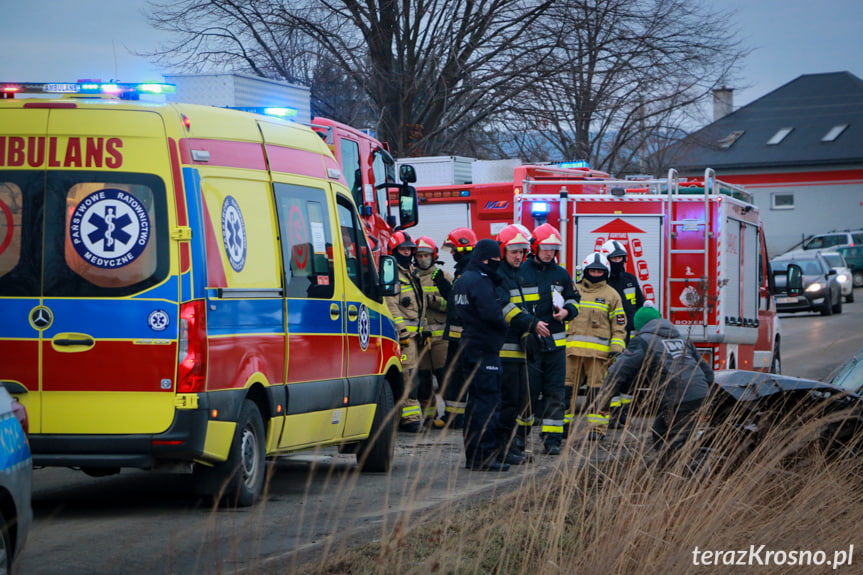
point(821, 289)
point(854, 258)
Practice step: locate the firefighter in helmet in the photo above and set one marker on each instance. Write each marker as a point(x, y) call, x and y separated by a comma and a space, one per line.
point(593, 338)
point(432, 364)
point(408, 310)
point(624, 282)
point(550, 297)
point(516, 413)
point(460, 242)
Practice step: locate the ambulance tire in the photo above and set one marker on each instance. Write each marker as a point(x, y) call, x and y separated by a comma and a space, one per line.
point(375, 454)
point(239, 481)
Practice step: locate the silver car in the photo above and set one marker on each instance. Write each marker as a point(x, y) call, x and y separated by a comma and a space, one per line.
point(844, 275)
point(16, 480)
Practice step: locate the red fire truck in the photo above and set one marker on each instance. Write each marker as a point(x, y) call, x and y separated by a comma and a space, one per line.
point(369, 171)
point(696, 246)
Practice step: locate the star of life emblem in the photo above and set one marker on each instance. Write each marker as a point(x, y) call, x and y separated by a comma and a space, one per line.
point(110, 228)
point(364, 327)
point(234, 233)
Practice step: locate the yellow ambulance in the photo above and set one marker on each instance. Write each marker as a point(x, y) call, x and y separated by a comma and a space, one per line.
point(187, 288)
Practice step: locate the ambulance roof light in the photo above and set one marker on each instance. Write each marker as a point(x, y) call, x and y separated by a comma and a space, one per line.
point(125, 90)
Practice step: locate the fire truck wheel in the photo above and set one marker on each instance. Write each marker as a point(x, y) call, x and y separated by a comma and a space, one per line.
point(238, 482)
point(376, 452)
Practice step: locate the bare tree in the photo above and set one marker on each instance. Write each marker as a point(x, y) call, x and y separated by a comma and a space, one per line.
point(628, 73)
point(431, 72)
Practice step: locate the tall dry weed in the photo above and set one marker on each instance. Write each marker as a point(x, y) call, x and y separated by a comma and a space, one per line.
point(782, 474)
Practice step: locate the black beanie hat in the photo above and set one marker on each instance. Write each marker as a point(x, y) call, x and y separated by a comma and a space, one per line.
point(485, 250)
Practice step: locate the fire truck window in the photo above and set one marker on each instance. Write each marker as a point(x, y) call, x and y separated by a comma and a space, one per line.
point(358, 256)
point(353, 169)
point(384, 168)
point(307, 242)
point(11, 208)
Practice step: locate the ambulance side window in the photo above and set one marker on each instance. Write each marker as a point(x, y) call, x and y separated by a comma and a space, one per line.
point(11, 208)
point(307, 242)
point(358, 256)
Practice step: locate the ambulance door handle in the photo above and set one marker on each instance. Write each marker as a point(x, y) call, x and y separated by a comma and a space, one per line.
point(335, 311)
point(73, 340)
point(353, 313)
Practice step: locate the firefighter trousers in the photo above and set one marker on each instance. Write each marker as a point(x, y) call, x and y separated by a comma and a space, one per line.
point(411, 412)
point(546, 372)
point(514, 399)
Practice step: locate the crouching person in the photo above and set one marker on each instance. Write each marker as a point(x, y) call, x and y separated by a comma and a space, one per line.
point(678, 378)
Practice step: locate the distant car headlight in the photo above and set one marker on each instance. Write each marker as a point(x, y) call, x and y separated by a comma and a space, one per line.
point(815, 287)
point(842, 278)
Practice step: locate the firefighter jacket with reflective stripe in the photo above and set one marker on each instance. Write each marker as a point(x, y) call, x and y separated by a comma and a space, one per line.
point(519, 321)
point(452, 331)
point(408, 307)
point(538, 281)
point(436, 305)
point(475, 300)
point(600, 327)
point(627, 286)
point(659, 358)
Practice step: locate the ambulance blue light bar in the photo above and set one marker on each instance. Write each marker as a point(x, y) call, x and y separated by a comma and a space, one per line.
point(124, 90)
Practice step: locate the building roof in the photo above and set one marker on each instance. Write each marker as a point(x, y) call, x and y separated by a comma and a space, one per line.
point(816, 119)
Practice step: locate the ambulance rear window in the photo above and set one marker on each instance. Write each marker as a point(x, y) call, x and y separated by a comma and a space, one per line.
point(81, 234)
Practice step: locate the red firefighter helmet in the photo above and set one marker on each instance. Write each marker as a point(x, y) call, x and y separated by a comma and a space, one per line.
point(426, 245)
point(460, 240)
point(613, 249)
point(401, 240)
point(546, 236)
point(513, 237)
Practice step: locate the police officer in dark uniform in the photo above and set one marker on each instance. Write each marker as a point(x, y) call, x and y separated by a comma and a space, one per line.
point(460, 242)
point(483, 328)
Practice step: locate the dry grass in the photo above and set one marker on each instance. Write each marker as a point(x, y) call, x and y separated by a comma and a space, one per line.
point(608, 507)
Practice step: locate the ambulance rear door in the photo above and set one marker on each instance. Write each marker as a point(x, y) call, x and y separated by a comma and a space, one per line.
point(91, 262)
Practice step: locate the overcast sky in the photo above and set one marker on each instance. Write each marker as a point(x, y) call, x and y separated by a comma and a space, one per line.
point(67, 40)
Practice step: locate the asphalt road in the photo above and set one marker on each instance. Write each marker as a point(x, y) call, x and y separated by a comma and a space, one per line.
point(139, 522)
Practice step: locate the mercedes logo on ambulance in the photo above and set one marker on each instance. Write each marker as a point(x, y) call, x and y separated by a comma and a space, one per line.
point(41, 317)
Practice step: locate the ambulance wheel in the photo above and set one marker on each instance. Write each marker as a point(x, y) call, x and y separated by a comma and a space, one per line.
point(376, 452)
point(238, 482)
